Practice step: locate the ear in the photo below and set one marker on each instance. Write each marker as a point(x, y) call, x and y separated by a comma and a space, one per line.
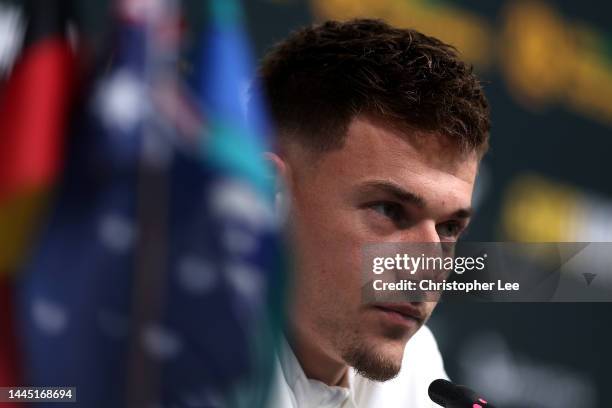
point(282, 171)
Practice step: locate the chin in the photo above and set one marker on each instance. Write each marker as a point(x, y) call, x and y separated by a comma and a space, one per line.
point(377, 358)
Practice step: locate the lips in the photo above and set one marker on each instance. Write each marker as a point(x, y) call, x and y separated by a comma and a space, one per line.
point(407, 310)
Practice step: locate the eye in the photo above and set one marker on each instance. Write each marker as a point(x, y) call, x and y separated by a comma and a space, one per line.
point(390, 210)
point(450, 229)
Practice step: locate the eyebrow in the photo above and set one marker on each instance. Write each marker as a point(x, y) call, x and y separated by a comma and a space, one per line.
point(463, 213)
point(404, 195)
point(396, 191)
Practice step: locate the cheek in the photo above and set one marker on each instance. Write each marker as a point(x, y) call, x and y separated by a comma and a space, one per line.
point(327, 258)
point(328, 254)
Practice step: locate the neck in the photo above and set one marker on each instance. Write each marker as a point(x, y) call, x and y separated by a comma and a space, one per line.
point(318, 365)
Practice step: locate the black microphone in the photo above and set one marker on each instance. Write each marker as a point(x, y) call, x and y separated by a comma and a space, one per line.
point(450, 395)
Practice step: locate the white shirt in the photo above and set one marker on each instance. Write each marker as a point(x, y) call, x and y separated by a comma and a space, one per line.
point(422, 363)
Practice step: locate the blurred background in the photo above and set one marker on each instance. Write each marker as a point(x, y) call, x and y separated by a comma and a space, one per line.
point(547, 69)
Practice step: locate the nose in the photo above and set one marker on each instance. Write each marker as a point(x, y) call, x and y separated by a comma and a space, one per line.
point(422, 239)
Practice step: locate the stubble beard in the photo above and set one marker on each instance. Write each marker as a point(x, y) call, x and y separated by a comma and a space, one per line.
point(368, 361)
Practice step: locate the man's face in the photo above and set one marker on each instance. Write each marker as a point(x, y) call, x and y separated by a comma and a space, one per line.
point(381, 186)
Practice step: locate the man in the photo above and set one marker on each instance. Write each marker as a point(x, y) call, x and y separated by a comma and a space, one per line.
point(380, 134)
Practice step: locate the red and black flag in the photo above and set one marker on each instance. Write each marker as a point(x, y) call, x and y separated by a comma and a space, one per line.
point(34, 105)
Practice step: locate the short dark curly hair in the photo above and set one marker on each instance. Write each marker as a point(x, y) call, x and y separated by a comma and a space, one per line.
point(322, 76)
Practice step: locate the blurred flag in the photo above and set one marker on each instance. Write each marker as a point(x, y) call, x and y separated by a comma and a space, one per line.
point(152, 283)
point(33, 111)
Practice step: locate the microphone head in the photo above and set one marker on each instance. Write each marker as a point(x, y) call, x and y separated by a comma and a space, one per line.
point(449, 395)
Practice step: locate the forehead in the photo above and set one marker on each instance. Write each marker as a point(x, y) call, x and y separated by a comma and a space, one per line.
point(426, 164)
point(372, 140)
